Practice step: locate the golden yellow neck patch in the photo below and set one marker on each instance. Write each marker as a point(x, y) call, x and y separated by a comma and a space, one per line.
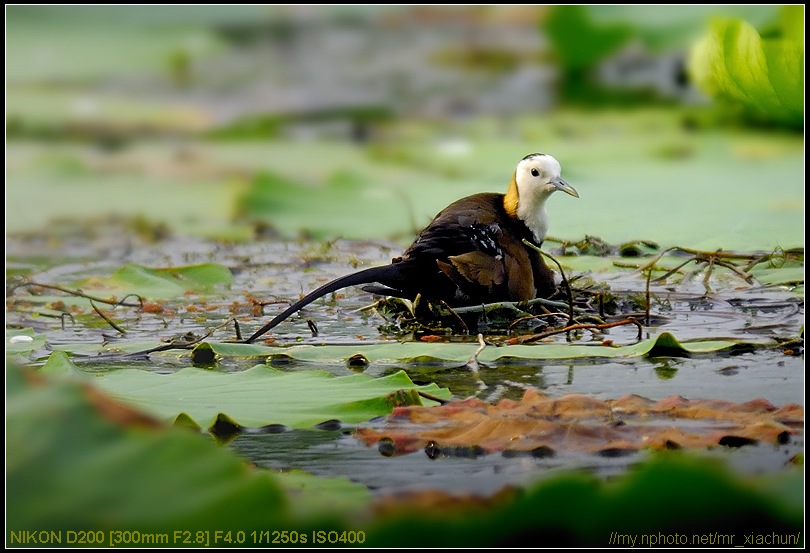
point(510, 200)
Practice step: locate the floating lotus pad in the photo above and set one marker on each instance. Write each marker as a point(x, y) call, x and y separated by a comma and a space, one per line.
point(256, 397)
point(459, 353)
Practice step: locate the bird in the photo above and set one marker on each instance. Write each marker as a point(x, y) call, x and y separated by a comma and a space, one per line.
point(472, 252)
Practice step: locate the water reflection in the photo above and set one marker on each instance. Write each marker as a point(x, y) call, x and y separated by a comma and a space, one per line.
point(666, 368)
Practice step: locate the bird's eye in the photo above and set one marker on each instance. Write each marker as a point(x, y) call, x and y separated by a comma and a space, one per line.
point(535, 173)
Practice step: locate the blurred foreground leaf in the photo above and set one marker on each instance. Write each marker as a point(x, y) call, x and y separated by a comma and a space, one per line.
point(67, 468)
point(670, 500)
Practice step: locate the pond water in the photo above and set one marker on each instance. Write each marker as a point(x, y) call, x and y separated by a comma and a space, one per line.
point(281, 270)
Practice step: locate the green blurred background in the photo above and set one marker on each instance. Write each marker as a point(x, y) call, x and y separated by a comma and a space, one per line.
point(677, 124)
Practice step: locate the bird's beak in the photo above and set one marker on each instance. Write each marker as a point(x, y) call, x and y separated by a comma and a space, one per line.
point(565, 187)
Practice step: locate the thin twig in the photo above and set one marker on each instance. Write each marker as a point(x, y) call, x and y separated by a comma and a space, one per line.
point(707, 277)
point(777, 253)
point(637, 267)
point(454, 312)
point(741, 273)
point(647, 300)
point(562, 275)
point(60, 316)
point(701, 254)
point(541, 316)
point(710, 258)
point(569, 328)
point(62, 319)
point(487, 307)
point(80, 294)
point(669, 272)
point(595, 319)
point(601, 297)
point(270, 302)
point(121, 303)
point(175, 344)
point(657, 258)
point(516, 306)
point(472, 364)
point(106, 318)
point(431, 397)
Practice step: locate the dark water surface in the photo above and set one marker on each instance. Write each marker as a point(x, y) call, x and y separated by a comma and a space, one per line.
point(271, 270)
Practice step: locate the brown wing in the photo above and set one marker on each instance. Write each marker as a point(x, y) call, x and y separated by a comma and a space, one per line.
point(520, 281)
point(472, 252)
point(474, 269)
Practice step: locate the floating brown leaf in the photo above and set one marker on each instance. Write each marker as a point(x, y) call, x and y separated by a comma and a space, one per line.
point(538, 423)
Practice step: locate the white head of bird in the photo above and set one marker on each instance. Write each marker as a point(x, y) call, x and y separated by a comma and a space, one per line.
point(536, 178)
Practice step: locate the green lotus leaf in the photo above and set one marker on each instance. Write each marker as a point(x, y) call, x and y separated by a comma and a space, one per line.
point(257, 397)
point(459, 353)
point(161, 283)
point(786, 275)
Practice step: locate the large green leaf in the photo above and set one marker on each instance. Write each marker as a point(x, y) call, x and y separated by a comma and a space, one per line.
point(69, 469)
point(779, 275)
point(256, 397)
point(734, 64)
point(273, 198)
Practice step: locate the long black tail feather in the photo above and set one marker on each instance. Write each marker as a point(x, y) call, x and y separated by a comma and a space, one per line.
point(386, 274)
